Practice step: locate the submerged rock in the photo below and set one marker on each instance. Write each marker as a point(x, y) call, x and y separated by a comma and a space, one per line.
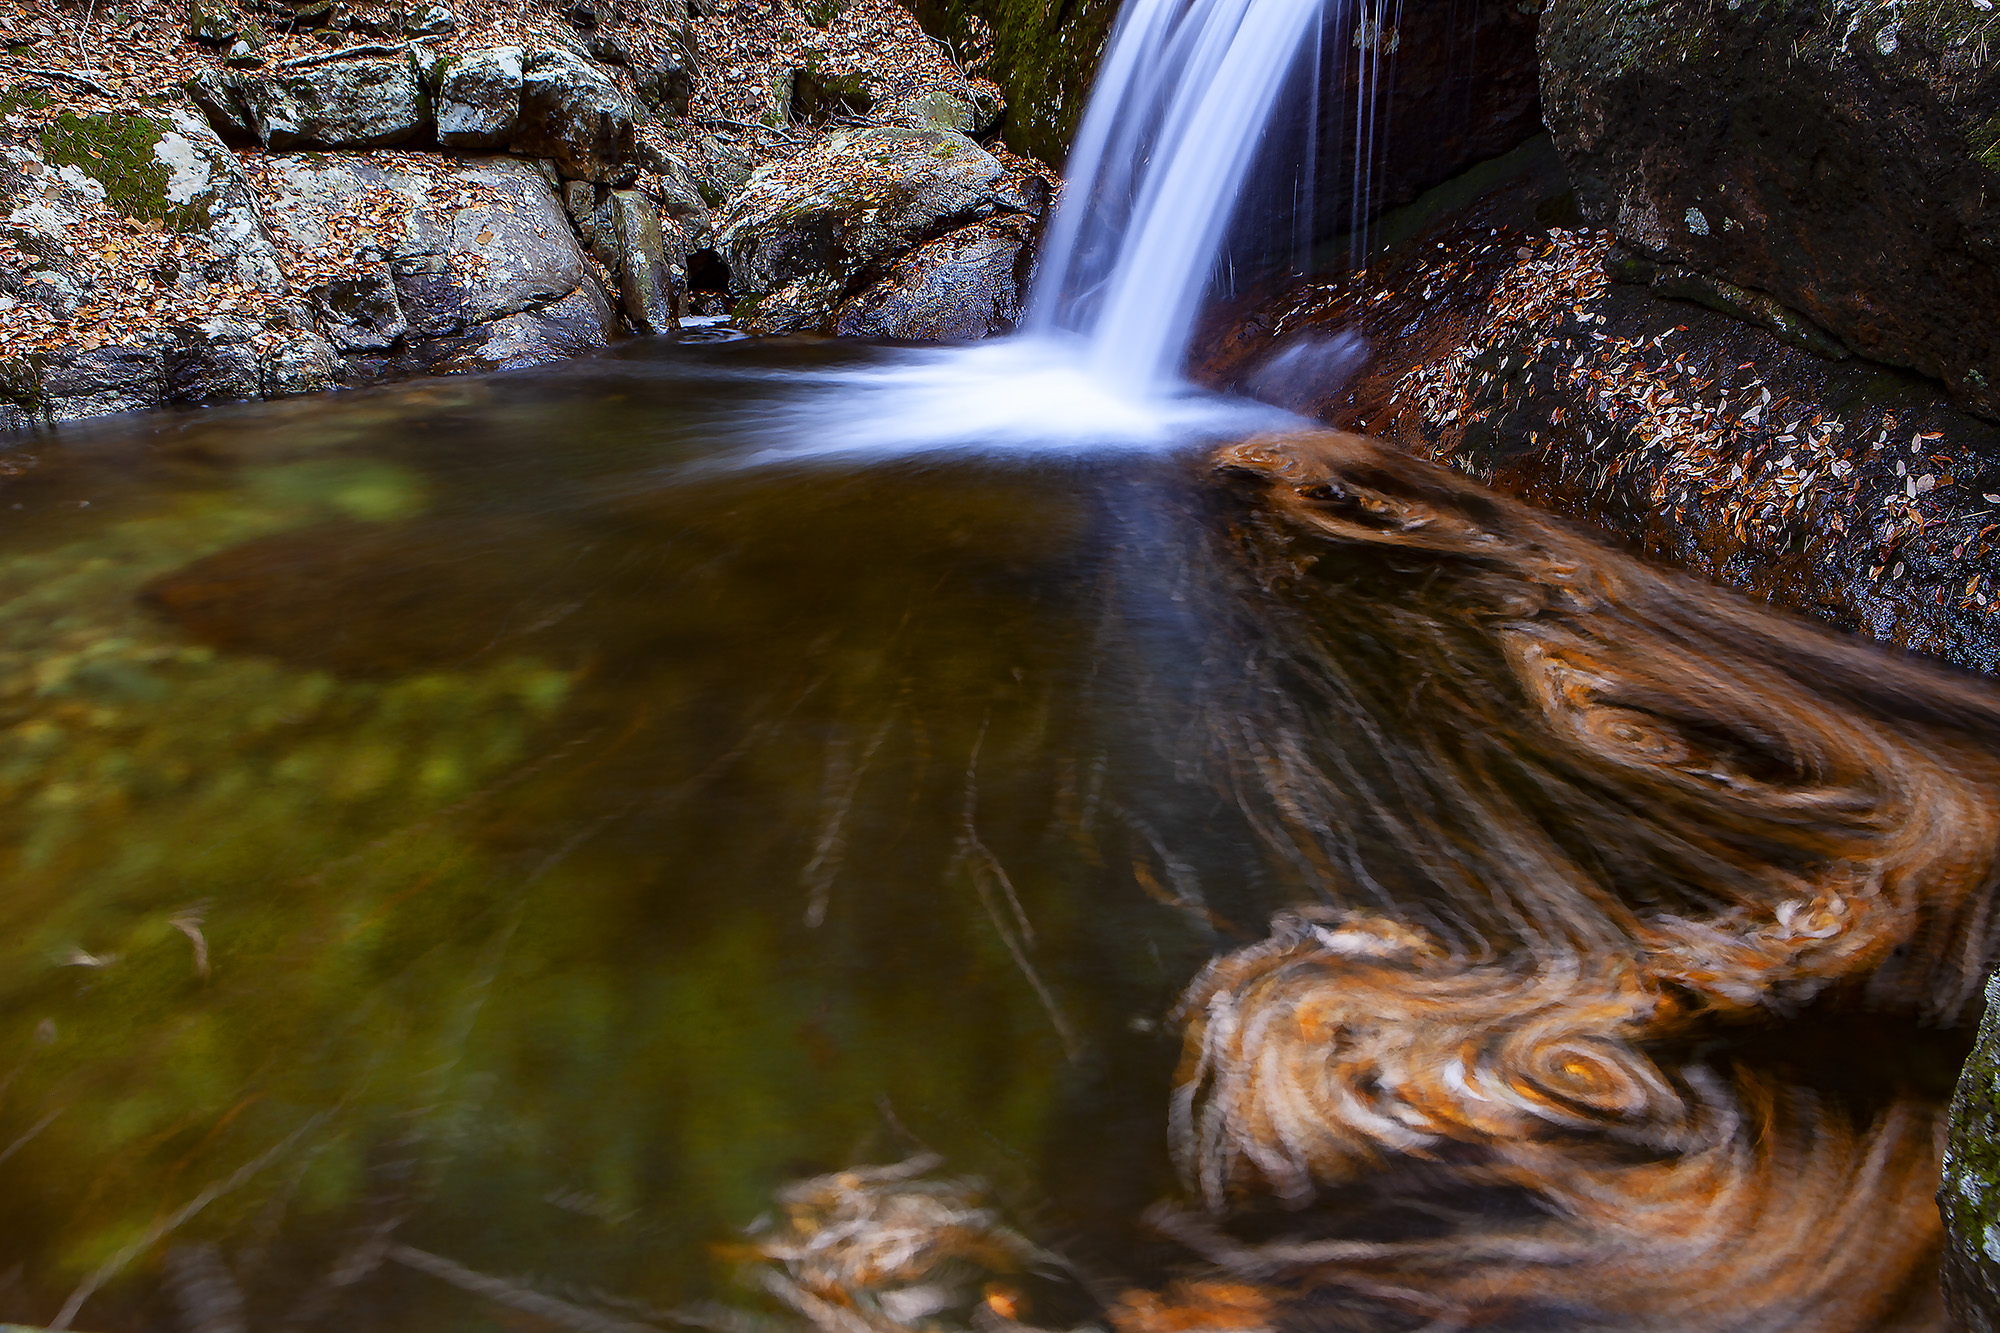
point(804, 230)
point(1840, 159)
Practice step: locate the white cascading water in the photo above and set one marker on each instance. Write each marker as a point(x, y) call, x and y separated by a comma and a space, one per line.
point(1184, 95)
point(1182, 110)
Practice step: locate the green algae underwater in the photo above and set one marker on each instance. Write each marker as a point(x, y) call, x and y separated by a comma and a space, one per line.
point(452, 813)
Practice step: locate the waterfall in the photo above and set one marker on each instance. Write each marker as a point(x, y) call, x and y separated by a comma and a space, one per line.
point(1184, 102)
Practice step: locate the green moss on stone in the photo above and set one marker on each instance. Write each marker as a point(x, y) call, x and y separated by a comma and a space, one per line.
point(118, 153)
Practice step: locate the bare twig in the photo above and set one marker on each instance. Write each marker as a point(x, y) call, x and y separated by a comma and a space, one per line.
point(513, 1294)
point(111, 1267)
point(78, 79)
point(347, 53)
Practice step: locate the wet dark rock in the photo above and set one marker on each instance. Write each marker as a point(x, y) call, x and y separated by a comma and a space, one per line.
point(1682, 284)
point(1846, 490)
point(360, 313)
point(214, 362)
point(803, 231)
point(1969, 1197)
point(360, 103)
point(651, 281)
point(1840, 160)
point(479, 98)
point(967, 284)
point(572, 113)
point(79, 383)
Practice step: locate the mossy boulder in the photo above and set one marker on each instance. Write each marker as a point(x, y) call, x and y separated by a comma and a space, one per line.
point(1831, 154)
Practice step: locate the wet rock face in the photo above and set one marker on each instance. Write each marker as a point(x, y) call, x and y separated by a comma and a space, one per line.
point(1969, 1197)
point(1500, 346)
point(967, 284)
point(804, 231)
point(1840, 158)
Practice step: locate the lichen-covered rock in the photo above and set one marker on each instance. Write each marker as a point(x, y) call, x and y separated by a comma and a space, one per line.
point(1969, 1196)
point(89, 339)
point(361, 103)
point(652, 281)
point(968, 284)
point(573, 114)
point(479, 98)
point(803, 231)
point(481, 241)
point(1837, 155)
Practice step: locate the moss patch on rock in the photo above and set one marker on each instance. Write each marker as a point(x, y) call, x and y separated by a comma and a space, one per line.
point(118, 152)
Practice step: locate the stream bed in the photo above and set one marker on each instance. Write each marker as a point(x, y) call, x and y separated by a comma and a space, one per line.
point(527, 821)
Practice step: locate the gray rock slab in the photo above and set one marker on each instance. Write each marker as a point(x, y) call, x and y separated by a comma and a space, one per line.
point(365, 103)
point(802, 230)
point(510, 250)
point(966, 284)
point(479, 98)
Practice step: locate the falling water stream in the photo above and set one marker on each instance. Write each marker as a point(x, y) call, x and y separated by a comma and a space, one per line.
point(475, 847)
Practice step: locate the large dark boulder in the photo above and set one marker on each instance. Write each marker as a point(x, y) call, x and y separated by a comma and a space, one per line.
point(574, 114)
point(1841, 159)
